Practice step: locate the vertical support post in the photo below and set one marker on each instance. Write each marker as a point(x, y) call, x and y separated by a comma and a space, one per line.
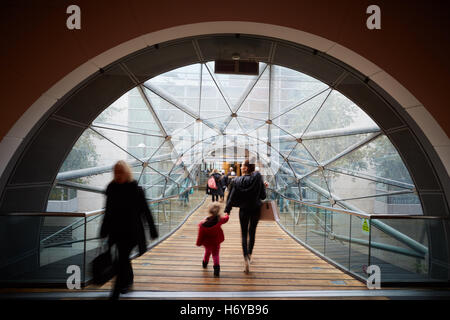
point(306, 234)
point(349, 243)
point(370, 240)
point(325, 234)
point(84, 250)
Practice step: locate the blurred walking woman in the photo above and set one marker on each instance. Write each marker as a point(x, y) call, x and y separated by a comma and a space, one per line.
point(122, 223)
point(246, 192)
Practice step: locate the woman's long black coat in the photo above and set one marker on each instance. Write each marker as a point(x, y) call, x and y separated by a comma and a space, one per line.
point(126, 207)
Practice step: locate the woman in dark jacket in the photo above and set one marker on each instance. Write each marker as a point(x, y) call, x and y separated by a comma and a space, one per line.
point(246, 192)
point(125, 207)
point(219, 190)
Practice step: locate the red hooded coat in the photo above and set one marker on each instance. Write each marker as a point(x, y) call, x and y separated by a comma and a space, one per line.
point(211, 236)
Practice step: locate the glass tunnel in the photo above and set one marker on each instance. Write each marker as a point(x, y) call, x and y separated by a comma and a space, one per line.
point(310, 142)
point(338, 181)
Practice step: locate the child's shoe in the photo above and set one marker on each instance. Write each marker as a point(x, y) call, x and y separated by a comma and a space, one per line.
point(204, 264)
point(216, 271)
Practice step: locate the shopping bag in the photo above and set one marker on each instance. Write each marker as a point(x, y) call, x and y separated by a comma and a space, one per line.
point(104, 267)
point(269, 211)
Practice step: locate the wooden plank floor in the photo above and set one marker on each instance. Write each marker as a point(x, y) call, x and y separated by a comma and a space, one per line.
point(279, 263)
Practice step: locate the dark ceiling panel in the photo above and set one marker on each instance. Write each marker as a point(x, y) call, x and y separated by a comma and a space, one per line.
point(90, 100)
point(307, 62)
point(30, 199)
point(361, 94)
point(153, 61)
point(223, 48)
point(418, 165)
point(43, 157)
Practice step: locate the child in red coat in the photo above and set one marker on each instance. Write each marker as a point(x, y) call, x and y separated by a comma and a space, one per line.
point(210, 235)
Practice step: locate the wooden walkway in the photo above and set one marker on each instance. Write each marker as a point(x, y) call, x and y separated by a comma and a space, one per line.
point(279, 263)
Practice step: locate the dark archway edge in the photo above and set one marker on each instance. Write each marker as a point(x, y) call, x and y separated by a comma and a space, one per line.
point(31, 172)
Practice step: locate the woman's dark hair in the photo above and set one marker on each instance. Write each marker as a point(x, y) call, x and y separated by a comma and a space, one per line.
point(250, 166)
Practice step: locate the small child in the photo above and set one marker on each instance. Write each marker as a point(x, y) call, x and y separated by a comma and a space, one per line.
point(210, 235)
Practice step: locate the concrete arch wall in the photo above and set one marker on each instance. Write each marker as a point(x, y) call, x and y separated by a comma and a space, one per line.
point(123, 67)
point(418, 112)
point(433, 135)
point(427, 130)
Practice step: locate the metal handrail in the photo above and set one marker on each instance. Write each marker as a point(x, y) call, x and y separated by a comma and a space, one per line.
point(80, 215)
point(362, 214)
point(413, 244)
point(85, 214)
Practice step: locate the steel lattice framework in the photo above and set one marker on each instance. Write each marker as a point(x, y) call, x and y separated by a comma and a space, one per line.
point(306, 136)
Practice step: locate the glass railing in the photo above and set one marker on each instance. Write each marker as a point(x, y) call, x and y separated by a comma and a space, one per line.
point(407, 249)
point(43, 245)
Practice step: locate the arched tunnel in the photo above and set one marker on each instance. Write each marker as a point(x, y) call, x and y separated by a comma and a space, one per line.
point(355, 180)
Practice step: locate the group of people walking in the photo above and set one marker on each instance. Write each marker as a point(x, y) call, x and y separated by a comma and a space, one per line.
point(245, 192)
point(127, 208)
point(218, 183)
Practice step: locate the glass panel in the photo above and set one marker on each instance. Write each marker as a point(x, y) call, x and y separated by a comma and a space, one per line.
point(376, 161)
point(249, 124)
point(317, 182)
point(316, 229)
point(337, 239)
point(138, 145)
point(361, 194)
point(212, 102)
point(184, 139)
point(153, 183)
point(62, 199)
point(218, 122)
point(404, 203)
point(235, 86)
point(171, 117)
point(300, 169)
point(359, 245)
point(205, 132)
point(339, 112)
point(290, 87)
point(233, 127)
point(298, 119)
point(300, 221)
point(261, 133)
point(256, 105)
point(325, 149)
point(182, 85)
point(38, 249)
point(302, 155)
point(92, 150)
point(129, 113)
point(401, 248)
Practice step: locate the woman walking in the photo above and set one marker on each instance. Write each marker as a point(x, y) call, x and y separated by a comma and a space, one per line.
point(246, 192)
point(125, 205)
point(214, 185)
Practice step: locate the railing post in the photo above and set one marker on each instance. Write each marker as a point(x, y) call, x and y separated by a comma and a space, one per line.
point(84, 249)
point(349, 243)
point(306, 234)
point(370, 240)
point(325, 234)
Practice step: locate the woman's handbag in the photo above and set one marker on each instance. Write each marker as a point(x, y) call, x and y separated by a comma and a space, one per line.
point(269, 211)
point(104, 267)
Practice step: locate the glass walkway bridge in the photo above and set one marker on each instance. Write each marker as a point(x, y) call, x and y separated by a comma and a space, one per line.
point(345, 196)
